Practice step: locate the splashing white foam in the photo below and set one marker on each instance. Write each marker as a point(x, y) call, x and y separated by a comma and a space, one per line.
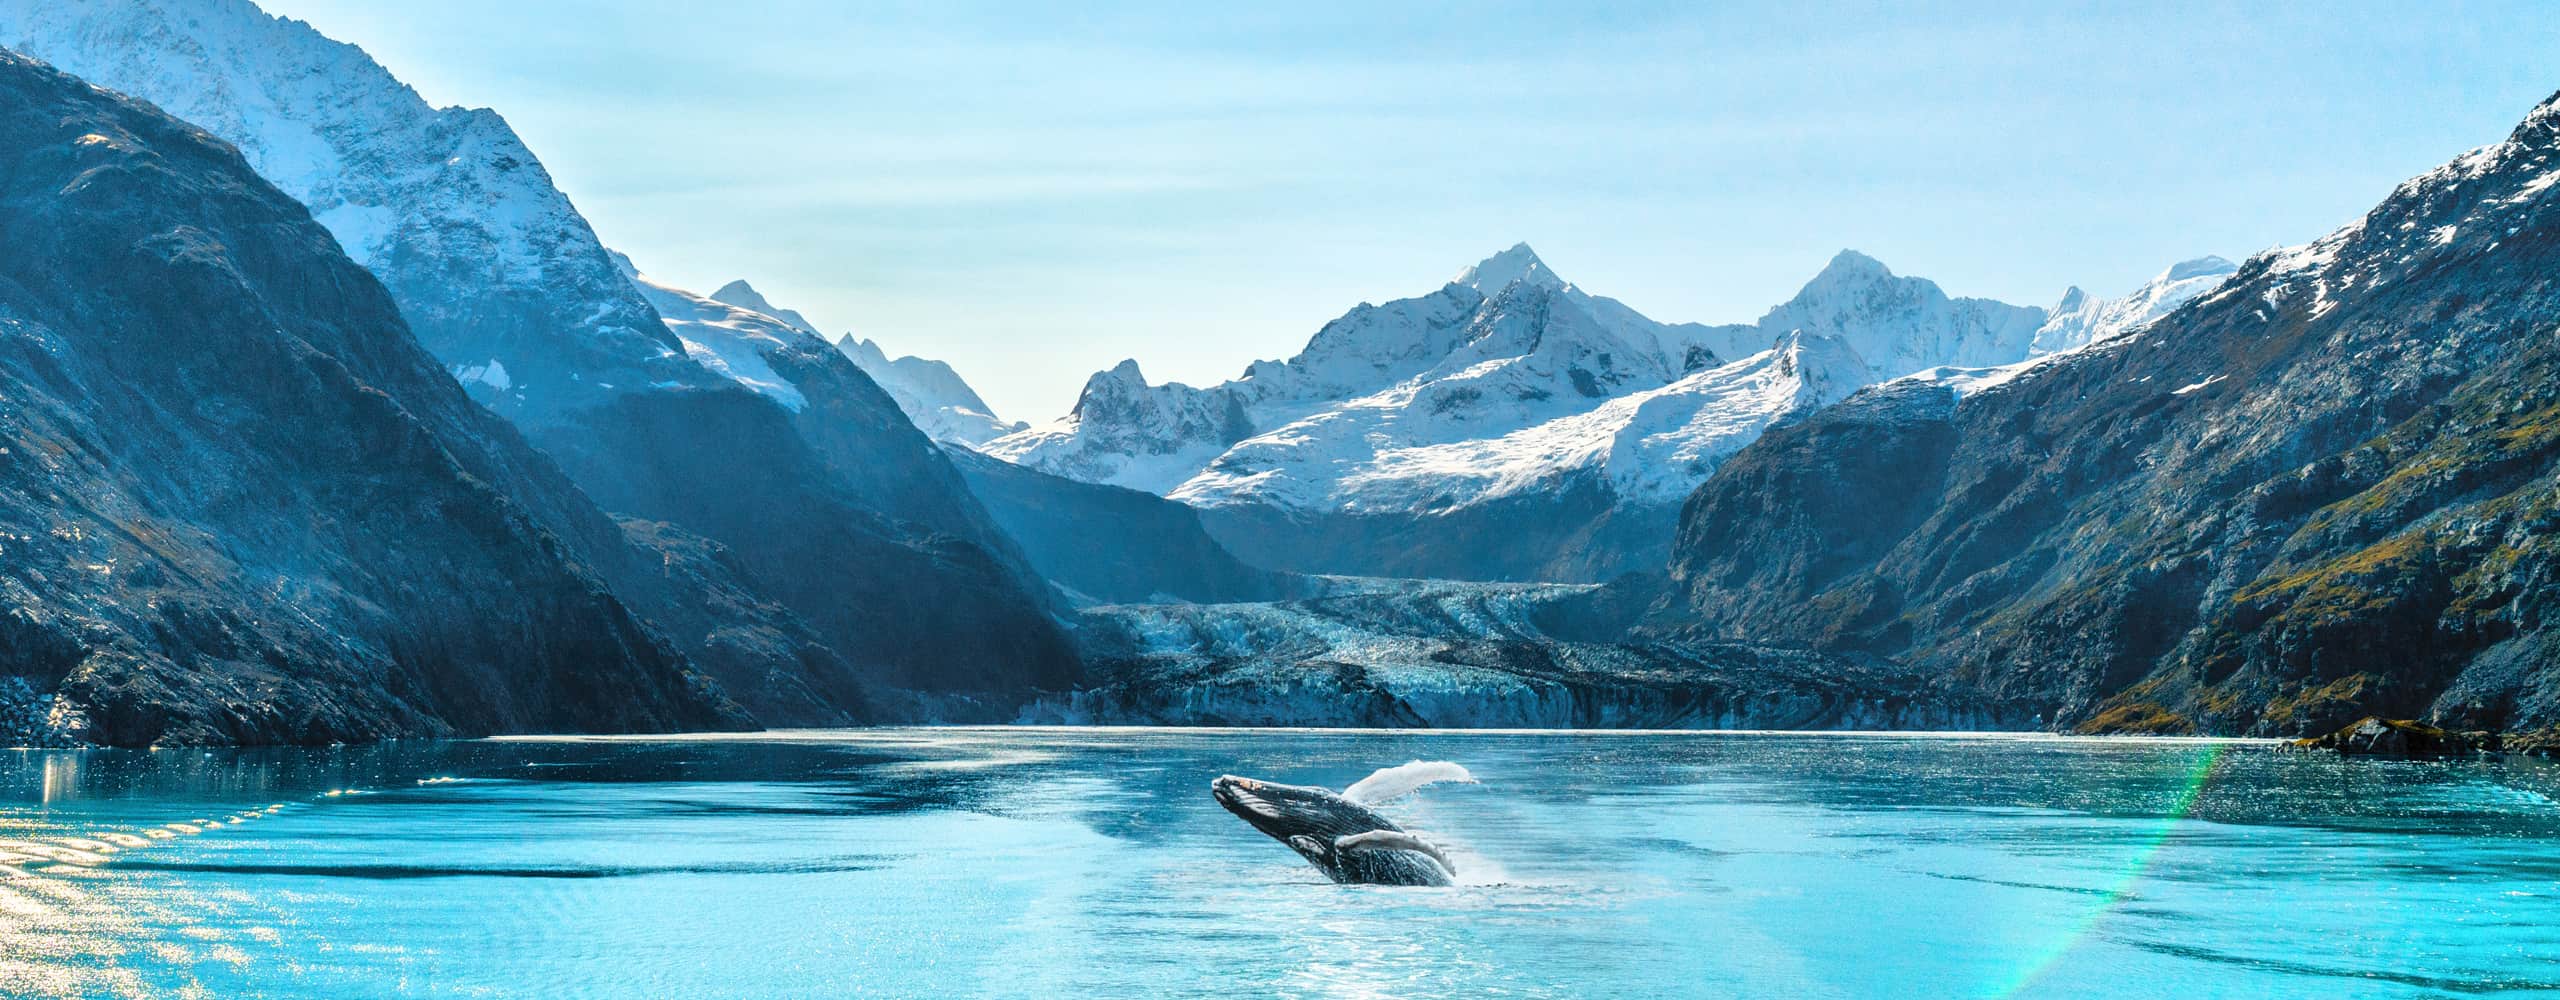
point(1393, 783)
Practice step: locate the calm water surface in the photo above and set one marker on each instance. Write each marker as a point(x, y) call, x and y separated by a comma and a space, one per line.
point(1044, 862)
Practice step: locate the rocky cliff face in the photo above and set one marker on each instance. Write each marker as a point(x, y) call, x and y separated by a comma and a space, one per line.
point(2321, 491)
point(508, 286)
point(237, 502)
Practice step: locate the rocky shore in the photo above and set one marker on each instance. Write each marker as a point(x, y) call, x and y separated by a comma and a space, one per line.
point(2412, 740)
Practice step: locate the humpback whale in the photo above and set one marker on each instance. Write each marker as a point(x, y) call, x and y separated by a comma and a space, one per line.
point(1338, 832)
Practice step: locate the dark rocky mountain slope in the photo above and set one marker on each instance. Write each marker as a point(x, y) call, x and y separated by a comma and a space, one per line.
point(238, 503)
point(2326, 490)
point(830, 511)
point(1112, 545)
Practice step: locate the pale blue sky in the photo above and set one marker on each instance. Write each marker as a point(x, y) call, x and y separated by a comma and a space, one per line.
point(1034, 191)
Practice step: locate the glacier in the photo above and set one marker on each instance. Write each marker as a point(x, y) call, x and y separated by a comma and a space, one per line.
point(1460, 655)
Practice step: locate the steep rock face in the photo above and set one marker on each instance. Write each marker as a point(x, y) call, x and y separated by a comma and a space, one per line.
point(237, 502)
point(925, 610)
point(492, 267)
point(1590, 490)
point(1108, 545)
point(764, 655)
point(1124, 432)
point(505, 282)
point(2322, 491)
point(1527, 356)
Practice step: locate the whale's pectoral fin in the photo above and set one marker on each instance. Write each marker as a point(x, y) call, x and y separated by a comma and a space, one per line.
point(1391, 783)
point(1310, 848)
point(1393, 840)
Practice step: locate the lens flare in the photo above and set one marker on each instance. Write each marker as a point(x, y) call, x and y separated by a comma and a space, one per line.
point(2199, 772)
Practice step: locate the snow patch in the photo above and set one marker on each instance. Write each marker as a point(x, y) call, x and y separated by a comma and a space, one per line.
point(729, 341)
point(2539, 184)
point(493, 375)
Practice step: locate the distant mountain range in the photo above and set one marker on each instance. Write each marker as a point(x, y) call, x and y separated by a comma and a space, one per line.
point(1512, 426)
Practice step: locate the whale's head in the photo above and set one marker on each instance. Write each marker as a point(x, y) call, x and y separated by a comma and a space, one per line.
point(1285, 811)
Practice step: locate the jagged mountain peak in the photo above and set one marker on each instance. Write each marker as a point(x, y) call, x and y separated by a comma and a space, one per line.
point(1502, 270)
point(1852, 271)
point(2080, 319)
point(2541, 125)
point(1851, 265)
point(728, 338)
point(186, 338)
point(863, 350)
point(1108, 388)
point(932, 393)
point(739, 293)
point(1903, 324)
point(1851, 282)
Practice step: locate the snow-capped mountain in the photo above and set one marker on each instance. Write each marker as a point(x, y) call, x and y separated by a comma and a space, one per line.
point(931, 392)
point(496, 272)
point(1449, 438)
point(2082, 319)
point(732, 341)
point(1504, 379)
point(744, 296)
point(733, 331)
point(1510, 387)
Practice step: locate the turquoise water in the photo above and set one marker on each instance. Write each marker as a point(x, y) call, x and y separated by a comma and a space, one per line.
point(1039, 863)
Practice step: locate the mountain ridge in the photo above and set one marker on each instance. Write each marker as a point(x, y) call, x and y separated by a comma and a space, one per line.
point(1512, 404)
point(500, 277)
point(2320, 491)
point(239, 503)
